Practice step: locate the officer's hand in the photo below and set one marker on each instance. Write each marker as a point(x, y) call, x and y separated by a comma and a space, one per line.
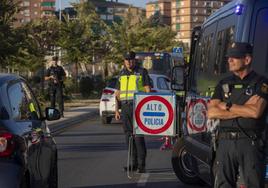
point(117, 115)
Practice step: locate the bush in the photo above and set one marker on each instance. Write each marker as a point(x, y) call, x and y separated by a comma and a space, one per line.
point(86, 86)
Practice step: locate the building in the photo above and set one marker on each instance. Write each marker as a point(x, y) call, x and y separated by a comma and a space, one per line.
point(187, 14)
point(183, 15)
point(161, 8)
point(34, 9)
point(110, 11)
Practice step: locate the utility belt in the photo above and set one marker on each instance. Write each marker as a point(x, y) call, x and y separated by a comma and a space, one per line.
point(234, 135)
point(127, 102)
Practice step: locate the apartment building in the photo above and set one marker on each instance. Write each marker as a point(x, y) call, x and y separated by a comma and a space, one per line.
point(34, 9)
point(161, 8)
point(183, 15)
point(187, 14)
point(110, 10)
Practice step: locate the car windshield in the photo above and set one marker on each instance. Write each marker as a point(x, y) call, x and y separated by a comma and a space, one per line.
point(112, 83)
point(156, 63)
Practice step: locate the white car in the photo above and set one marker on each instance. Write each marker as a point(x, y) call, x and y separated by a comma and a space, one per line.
point(159, 83)
point(107, 102)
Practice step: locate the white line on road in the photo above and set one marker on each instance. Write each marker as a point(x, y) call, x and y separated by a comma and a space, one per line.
point(143, 179)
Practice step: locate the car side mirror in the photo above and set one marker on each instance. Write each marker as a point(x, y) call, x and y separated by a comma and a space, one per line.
point(52, 114)
point(177, 79)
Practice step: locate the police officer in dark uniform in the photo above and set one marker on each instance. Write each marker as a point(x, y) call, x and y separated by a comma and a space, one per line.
point(132, 79)
point(240, 102)
point(55, 75)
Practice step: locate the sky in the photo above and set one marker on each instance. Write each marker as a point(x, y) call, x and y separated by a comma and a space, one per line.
point(137, 3)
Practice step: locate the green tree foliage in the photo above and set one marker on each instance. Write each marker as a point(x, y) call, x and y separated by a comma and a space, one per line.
point(81, 38)
point(8, 9)
point(141, 36)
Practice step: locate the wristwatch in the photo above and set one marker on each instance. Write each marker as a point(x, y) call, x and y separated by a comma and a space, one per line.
point(228, 105)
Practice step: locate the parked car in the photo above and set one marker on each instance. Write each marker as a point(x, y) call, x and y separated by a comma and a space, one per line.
point(107, 102)
point(28, 153)
point(159, 83)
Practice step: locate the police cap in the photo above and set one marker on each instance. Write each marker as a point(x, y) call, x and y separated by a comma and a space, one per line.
point(239, 49)
point(130, 55)
point(55, 58)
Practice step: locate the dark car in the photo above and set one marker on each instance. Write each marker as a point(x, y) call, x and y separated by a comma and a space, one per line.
point(28, 153)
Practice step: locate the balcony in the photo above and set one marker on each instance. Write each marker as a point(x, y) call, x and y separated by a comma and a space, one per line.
point(50, 1)
point(48, 8)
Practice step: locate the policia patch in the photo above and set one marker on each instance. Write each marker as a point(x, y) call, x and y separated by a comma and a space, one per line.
point(264, 88)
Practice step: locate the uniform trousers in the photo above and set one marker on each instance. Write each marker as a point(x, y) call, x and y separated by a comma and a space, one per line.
point(240, 156)
point(56, 92)
point(139, 148)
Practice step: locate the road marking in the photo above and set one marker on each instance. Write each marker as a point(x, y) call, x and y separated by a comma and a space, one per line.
point(143, 179)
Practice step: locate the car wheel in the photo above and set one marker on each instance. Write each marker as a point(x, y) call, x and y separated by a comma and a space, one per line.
point(53, 179)
point(181, 163)
point(106, 120)
point(25, 182)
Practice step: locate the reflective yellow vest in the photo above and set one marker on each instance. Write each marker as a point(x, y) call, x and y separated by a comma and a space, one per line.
point(129, 85)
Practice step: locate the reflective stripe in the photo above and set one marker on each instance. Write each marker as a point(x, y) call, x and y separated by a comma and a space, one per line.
point(31, 107)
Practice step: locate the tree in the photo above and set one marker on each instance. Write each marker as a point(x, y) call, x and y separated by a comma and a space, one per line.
point(140, 36)
point(82, 38)
point(8, 9)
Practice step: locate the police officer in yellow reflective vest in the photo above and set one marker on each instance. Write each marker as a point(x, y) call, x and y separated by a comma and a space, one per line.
point(240, 102)
point(132, 79)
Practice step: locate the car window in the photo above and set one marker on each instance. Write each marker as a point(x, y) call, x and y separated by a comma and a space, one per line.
point(21, 106)
point(162, 83)
point(32, 103)
point(112, 83)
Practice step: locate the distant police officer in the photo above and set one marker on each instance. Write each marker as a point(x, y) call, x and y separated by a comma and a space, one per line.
point(132, 79)
point(240, 103)
point(55, 75)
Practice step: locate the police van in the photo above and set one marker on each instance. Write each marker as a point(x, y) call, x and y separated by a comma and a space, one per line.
point(240, 21)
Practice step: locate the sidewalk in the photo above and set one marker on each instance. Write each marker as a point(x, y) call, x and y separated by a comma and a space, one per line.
point(74, 113)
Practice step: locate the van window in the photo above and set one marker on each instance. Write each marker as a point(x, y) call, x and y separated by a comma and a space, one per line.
point(260, 45)
point(224, 40)
point(202, 70)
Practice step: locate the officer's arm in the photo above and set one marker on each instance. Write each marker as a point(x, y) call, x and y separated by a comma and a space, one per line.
point(217, 110)
point(253, 108)
point(147, 89)
point(117, 97)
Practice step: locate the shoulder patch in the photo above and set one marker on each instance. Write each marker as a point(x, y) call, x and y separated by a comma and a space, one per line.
point(264, 88)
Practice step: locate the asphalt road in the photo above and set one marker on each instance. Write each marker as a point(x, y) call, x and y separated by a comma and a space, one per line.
point(93, 155)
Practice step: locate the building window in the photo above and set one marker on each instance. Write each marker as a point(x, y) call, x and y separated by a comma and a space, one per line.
point(110, 10)
point(205, 11)
point(196, 3)
point(178, 26)
point(103, 16)
point(110, 17)
point(35, 5)
point(182, 11)
point(26, 3)
point(27, 12)
point(35, 13)
point(196, 11)
point(195, 19)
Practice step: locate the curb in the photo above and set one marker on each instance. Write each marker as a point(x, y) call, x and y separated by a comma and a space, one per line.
point(58, 127)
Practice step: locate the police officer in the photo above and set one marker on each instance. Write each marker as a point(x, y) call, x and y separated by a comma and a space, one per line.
point(55, 75)
point(132, 79)
point(240, 102)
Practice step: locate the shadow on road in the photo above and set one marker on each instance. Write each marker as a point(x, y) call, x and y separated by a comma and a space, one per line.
point(147, 185)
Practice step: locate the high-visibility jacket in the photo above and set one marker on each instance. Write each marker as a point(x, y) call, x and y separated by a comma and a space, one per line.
point(129, 84)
